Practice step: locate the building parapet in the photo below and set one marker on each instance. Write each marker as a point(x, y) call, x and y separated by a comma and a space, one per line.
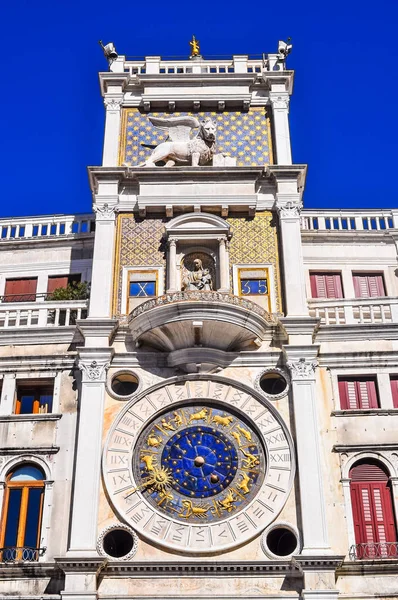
point(349, 220)
point(42, 313)
point(45, 226)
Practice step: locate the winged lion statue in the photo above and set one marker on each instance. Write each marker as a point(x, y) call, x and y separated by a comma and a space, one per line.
point(180, 149)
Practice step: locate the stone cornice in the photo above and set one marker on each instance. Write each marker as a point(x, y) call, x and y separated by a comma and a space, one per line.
point(343, 448)
point(202, 569)
point(368, 331)
point(349, 360)
point(32, 450)
point(318, 563)
point(21, 336)
point(367, 568)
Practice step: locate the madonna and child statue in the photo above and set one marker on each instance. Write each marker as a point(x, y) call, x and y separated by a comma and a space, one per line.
point(195, 276)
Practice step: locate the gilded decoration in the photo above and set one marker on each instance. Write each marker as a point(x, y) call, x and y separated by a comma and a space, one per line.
point(255, 241)
point(139, 242)
point(244, 135)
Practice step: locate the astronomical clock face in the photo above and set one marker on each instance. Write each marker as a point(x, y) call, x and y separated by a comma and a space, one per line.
point(198, 465)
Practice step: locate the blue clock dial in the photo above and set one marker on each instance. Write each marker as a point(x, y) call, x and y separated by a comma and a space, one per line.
point(199, 462)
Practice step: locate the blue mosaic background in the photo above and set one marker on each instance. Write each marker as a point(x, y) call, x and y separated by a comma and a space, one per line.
point(244, 135)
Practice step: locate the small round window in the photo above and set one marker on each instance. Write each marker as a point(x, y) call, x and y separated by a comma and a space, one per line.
point(274, 383)
point(124, 384)
point(117, 542)
point(280, 541)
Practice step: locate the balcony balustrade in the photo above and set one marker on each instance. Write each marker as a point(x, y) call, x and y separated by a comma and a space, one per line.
point(349, 311)
point(63, 313)
point(374, 551)
point(24, 554)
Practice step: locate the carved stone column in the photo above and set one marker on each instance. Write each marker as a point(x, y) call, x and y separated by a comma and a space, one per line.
point(112, 131)
point(102, 275)
point(302, 363)
point(280, 110)
point(172, 266)
point(223, 264)
point(93, 365)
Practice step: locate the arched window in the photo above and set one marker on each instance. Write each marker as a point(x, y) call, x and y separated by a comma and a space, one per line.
point(22, 512)
point(374, 523)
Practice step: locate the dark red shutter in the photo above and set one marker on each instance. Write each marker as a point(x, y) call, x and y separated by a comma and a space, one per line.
point(360, 393)
point(367, 394)
point(60, 281)
point(326, 285)
point(372, 505)
point(394, 390)
point(368, 285)
point(20, 290)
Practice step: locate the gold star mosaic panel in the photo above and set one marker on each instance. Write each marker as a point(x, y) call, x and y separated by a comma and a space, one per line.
point(255, 241)
point(245, 136)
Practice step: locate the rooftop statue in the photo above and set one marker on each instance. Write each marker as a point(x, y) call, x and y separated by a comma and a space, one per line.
point(179, 148)
point(195, 47)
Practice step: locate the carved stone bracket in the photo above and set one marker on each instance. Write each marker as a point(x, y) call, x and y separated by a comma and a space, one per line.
point(302, 368)
point(104, 212)
point(113, 104)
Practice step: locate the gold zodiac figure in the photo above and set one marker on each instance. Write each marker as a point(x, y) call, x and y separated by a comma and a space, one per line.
point(244, 483)
point(251, 460)
point(153, 441)
point(195, 48)
point(177, 419)
point(224, 421)
point(159, 479)
point(197, 511)
point(166, 426)
point(237, 437)
point(149, 461)
point(227, 503)
point(199, 416)
point(165, 497)
point(245, 433)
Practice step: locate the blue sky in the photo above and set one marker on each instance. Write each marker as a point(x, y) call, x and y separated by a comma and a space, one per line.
point(343, 113)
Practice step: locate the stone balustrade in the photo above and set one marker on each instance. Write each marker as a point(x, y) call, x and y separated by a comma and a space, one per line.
point(349, 220)
point(374, 551)
point(182, 66)
point(47, 226)
point(42, 314)
point(346, 311)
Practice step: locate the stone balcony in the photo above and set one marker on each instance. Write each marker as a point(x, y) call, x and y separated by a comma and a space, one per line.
point(201, 323)
point(355, 311)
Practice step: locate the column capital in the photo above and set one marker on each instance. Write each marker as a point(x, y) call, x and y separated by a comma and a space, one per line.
point(113, 103)
point(172, 241)
point(280, 100)
point(290, 209)
point(301, 361)
point(105, 212)
point(94, 365)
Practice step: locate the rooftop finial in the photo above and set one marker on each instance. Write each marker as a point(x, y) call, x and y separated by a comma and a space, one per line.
point(109, 52)
point(195, 47)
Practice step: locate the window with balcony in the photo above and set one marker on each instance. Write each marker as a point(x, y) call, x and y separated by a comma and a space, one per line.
point(368, 285)
point(22, 514)
point(326, 285)
point(372, 508)
point(358, 393)
point(20, 290)
point(34, 398)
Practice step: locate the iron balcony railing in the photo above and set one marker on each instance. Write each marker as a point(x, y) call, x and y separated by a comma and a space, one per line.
point(374, 551)
point(13, 554)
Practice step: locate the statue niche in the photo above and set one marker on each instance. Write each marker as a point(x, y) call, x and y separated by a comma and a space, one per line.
point(198, 272)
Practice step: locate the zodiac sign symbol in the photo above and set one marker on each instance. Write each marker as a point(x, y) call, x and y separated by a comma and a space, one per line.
point(245, 433)
point(197, 511)
point(153, 441)
point(199, 416)
point(251, 460)
point(149, 461)
point(237, 437)
point(166, 426)
point(244, 483)
point(177, 419)
point(224, 421)
point(227, 503)
point(165, 497)
point(159, 479)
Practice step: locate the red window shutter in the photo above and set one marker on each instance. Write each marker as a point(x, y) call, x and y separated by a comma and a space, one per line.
point(394, 391)
point(57, 282)
point(326, 285)
point(368, 285)
point(343, 392)
point(360, 393)
point(367, 394)
point(20, 290)
point(376, 286)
